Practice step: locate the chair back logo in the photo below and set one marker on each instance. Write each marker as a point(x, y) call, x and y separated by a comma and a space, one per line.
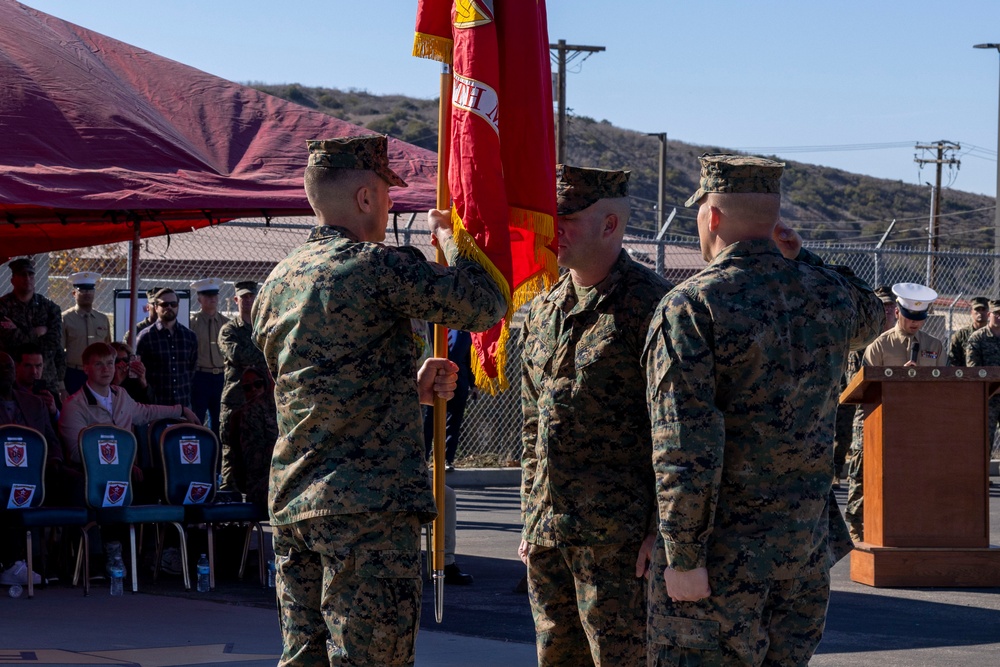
point(109, 452)
point(20, 496)
point(15, 454)
point(190, 450)
point(114, 494)
point(197, 493)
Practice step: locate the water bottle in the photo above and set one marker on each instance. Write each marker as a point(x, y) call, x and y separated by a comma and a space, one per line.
point(203, 584)
point(271, 571)
point(15, 591)
point(117, 576)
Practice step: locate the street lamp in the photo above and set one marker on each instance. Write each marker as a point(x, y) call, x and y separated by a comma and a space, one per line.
point(996, 219)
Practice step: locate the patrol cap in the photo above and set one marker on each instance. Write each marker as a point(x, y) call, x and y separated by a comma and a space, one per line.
point(246, 287)
point(369, 152)
point(22, 265)
point(913, 300)
point(884, 293)
point(994, 305)
point(978, 302)
point(152, 292)
point(84, 279)
point(208, 286)
point(579, 187)
point(723, 172)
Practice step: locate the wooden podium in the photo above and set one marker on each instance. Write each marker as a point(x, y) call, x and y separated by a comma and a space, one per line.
point(926, 484)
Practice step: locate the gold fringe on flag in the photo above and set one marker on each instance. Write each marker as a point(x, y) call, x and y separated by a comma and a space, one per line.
point(432, 47)
point(544, 229)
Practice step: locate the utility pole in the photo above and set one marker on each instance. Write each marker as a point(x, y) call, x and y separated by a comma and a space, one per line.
point(564, 53)
point(945, 151)
point(660, 196)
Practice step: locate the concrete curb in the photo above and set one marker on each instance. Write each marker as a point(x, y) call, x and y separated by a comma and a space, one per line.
point(466, 478)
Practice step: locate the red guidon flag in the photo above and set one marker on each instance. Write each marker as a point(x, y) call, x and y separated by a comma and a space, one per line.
point(502, 156)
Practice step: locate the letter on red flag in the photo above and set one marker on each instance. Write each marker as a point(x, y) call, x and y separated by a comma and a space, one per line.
point(502, 164)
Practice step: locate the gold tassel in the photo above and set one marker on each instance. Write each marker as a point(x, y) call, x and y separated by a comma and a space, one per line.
point(432, 47)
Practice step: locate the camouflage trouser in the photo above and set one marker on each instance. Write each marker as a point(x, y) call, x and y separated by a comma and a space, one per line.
point(745, 621)
point(842, 437)
point(588, 605)
point(854, 512)
point(993, 421)
point(226, 465)
point(349, 589)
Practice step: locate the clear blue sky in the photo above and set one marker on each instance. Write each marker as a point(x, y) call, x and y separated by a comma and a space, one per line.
point(764, 75)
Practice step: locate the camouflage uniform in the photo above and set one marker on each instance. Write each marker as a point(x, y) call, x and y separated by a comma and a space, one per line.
point(854, 511)
point(23, 317)
point(349, 486)
point(254, 430)
point(983, 349)
point(744, 363)
point(587, 486)
point(239, 353)
point(956, 350)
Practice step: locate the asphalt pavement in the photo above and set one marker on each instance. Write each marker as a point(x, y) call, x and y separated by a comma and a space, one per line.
point(486, 624)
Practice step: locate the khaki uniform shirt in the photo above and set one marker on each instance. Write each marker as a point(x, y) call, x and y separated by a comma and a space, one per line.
point(892, 348)
point(80, 329)
point(333, 321)
point(207, 330)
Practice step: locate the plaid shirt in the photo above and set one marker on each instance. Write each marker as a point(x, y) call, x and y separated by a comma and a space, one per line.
point(170, 357)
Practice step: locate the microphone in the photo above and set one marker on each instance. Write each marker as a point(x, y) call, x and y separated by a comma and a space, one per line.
point(914, 350)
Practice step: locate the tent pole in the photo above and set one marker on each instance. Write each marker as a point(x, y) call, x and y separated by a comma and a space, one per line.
point(133, 281)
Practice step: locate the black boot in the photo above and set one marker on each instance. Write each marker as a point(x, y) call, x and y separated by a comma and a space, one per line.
point(453, 576)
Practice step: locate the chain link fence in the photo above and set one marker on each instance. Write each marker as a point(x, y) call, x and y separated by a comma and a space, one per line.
point(249, 249)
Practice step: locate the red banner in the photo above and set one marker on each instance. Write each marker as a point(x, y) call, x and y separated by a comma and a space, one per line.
point(502, 163)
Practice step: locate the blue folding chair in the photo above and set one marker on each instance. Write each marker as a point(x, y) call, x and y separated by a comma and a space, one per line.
point(190, 457)
point(108, 454)
point(22, 491)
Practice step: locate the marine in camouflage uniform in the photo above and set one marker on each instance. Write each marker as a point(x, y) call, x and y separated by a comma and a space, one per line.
point(854, 510)
point(238, 353)
point(983, 349)
point(744, 363)
point(979, 307)
point(349, 487)
point(253, 430)
point(587, 483)
point(22, 313)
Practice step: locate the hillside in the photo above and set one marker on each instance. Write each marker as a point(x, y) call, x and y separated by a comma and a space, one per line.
point(821, 202)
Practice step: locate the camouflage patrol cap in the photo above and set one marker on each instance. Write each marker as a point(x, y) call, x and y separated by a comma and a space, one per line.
point(246, 287)
point(884, 292)
point(994, 305)
point(722, 172)
point(978, 302)
point(152, 292)
point(22, 265)
point(368, 152)
point(579, 187)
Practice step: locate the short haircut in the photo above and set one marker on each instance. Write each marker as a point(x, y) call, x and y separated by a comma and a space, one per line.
point(165, 290)
point(27, 348)
point(97, 350)
point(321, 182)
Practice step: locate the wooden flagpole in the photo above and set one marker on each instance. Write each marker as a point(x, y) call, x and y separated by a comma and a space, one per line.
point(441, 349)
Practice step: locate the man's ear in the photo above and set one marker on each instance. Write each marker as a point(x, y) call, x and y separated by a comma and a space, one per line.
point(611, 222)
point(363, 198)
point(714, 218)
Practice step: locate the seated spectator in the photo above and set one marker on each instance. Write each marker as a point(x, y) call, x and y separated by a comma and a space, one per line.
point(130, 374)
point(30, 365)
point(253, 432)
point(98, 402)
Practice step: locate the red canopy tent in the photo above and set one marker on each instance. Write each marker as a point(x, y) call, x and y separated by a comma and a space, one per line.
point(98, 133)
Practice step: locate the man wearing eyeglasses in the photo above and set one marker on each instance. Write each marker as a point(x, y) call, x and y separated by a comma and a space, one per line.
point(169, 351)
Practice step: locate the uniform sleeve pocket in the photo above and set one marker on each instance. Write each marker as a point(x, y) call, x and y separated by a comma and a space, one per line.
point(684, 633)
point(388, 564)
